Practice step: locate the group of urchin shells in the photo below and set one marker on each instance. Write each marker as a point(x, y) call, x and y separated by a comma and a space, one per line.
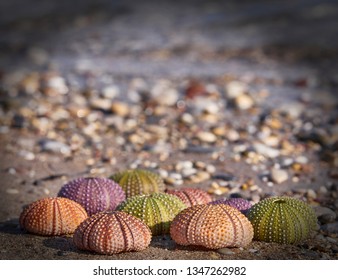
point(122, 214)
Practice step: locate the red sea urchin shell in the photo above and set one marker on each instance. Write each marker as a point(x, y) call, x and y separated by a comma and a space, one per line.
point(94, 194)
point(52, 216)
point(112, 233)
point(191, 196)
point(211, 226)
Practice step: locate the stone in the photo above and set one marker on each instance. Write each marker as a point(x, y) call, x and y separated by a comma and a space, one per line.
point(311, 194)
point(235, 89)
point(54, 146)
point(325, 215)
point(186, 164)
point(244, 102)
point(120, 108)
point(101, 104)
point(164, 94)
point(331, 228)
point(225, 251)
point(266, 151)
point(110, 92)
point(279, 175)
point(12, 191)
point(206, 136)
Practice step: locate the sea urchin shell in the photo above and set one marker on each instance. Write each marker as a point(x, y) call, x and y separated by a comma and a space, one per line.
point(94, 194)
point(138, 181)
point(156, 210)
point(282, 220)
point(52, 216)
point(191, 196)
point(112, 233)
point(211, 226)
point(241, 204)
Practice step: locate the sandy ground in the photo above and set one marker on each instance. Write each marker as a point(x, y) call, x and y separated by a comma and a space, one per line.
point(284, 53)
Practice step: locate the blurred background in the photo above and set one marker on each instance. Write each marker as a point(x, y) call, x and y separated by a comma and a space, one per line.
point(158, 37)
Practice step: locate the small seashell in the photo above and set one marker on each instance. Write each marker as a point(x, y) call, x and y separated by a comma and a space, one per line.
point(139, 181)
point(94, 194)
point(111, 233)
point(211, 226)
point(283, 220)
point(52, 216)
point(191, 196)
point(240, 204)
point(157, 210)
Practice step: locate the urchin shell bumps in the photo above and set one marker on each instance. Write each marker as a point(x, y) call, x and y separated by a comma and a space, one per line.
point(283, 220)
point(138, 182)
point(241, 204)
point(52, 216)
point(111, 233)
point(94, 194)
point(156, 210)
point(211, 226)
point(191, 196)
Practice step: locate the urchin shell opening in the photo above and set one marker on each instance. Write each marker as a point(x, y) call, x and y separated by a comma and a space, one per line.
point(279, 200)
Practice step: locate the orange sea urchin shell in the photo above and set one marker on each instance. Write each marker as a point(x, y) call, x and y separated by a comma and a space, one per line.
point(191, 196)
point(211, 226)
point(112, 233)
point(52, 216)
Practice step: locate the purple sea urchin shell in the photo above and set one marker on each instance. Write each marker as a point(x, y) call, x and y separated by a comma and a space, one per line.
point(112, 233)
point(241, 204)
point(94, 194)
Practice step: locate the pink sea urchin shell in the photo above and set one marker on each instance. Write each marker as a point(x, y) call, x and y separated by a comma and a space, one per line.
point(191, 196)
point(211, 226)
point(52, 216)
point(112, 233)
point(94, 194)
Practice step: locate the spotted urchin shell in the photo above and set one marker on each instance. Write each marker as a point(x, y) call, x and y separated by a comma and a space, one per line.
point(283, 220)
point(94, 194)
point(241, 204)
point(211, 226)
point(156, 210)
point(138, 182)
point(52, 216)
point(191, 196)
point(111, 233)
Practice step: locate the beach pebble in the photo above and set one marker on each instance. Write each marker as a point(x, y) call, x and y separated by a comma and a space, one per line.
point(266, 151)
point(110, 92)
point(244, 102)
point(120, 108)
point(225, 251)
point(206, 136)
point(325, 215)
point(100, 104)
point(279, 175)
point(54, 146)
point(235, 89)
point(12, 191)
point(331, 228)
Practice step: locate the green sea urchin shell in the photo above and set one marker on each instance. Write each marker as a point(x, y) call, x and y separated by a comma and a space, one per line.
point(156, 210)
point(138, 182)
point(283, 220)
